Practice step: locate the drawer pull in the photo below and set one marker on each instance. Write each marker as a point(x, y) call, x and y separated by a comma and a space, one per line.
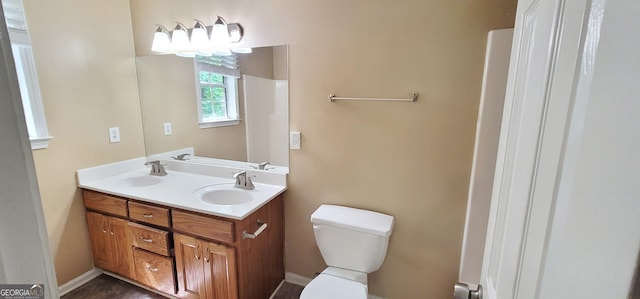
point(152, 269)
point(146, 240)
point(263, 226)
point(147, 215)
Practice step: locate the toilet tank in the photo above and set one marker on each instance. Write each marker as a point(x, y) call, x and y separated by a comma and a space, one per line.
point(350, 238)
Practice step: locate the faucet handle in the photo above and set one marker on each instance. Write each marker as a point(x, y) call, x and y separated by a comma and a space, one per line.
point(248, 184)
point(153, 162)
point(180, 157)
point(263, 165)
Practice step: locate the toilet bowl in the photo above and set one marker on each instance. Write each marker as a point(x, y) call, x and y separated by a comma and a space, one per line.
point(353, 243)
point(336, 283)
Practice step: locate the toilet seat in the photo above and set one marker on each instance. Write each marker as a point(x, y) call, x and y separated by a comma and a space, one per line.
point(326, 286)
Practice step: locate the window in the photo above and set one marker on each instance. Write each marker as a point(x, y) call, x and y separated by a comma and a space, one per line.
point(217, 88)
point(27, 76)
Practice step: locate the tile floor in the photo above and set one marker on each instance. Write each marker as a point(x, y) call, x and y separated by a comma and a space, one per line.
point(107, 287)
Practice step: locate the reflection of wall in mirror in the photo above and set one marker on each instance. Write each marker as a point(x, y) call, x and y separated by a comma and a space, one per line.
point(168, 94)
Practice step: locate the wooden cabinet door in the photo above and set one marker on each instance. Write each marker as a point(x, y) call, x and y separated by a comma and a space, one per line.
point(99, 236)
point(121, 253)
point(220, 271)
point(189, 266)
point(110, 246)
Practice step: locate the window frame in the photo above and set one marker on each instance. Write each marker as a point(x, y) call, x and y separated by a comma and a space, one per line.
point(231, 97)
point(29, 89)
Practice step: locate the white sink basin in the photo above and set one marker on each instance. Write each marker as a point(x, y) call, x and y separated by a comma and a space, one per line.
point(224, 194)
point(139, 181)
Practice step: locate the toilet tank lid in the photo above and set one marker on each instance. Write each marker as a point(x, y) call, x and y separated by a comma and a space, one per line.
point(355, 219)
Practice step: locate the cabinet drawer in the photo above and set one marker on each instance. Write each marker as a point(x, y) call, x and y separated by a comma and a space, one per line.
point(207, 227)
point(105, 203)
point(149, 214)
point(148, 238)
point(154, 271)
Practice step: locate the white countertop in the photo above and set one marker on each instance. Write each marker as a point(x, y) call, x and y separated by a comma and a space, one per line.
point(177, 188)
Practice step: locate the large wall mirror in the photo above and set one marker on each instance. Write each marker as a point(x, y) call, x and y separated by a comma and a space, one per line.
point(168, 95)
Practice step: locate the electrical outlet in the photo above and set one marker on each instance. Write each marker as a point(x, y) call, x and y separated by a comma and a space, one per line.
point(167, 129)
point(114, 135)
point(294, 140)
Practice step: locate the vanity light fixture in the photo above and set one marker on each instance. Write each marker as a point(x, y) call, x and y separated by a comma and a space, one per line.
point(202, 40)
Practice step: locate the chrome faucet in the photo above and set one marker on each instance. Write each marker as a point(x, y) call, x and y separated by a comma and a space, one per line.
point(156, 168)
point(261, 166)
point(180, 157)
point(243, 181)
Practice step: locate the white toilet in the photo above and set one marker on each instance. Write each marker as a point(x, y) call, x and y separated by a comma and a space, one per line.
point(353, 243)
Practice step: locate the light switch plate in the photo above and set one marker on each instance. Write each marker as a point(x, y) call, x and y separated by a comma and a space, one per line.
point(294, 140)
point(114, 135)
point(167, 129)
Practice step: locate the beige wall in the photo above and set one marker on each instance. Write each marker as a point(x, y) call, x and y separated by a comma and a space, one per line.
point(259, 63)
point(84, 56)
point(281, 63)
point(410, 160)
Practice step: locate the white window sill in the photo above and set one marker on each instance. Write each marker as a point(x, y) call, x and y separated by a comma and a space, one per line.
point(220, 123)
point(40, 142)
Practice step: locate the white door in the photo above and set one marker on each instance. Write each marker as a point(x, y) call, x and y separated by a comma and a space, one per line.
point(563, 220)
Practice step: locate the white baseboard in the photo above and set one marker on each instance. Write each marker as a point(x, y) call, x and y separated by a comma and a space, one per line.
point(78, 281)
point(296, 279)
point(303, 281)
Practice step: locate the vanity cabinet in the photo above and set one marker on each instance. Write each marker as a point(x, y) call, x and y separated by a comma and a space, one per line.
point(188, 254)
point(205, 269)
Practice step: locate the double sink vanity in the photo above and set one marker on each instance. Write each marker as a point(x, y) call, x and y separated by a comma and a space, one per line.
point(192, 233)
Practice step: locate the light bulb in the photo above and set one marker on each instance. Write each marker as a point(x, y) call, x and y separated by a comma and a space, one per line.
point(220, 38)
point(200, 39)
point(161, 42)
point(180, 42)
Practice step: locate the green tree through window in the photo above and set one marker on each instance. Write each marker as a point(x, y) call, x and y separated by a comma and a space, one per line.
point(213, 96)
